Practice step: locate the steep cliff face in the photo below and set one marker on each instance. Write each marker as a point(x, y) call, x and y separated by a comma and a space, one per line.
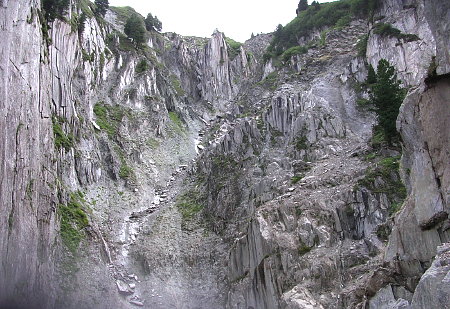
point(28, 201)
point(190, 173)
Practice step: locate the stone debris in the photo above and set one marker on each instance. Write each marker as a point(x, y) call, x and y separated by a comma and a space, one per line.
point(123, 288)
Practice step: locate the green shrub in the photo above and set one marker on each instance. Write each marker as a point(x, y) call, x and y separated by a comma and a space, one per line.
point(361, 45)
point(303, 249)
point(234, 47)
point(333, 14)
point(54, 8)
point(295, 50)
point(301, 143)
point(387, 97)
point(135, 29)
point(125, 171)
point(393, 187)
point(296, 179)
point(388, 30)
point(142, 66)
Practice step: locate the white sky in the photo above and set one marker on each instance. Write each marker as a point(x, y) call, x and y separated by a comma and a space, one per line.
point(236, 18)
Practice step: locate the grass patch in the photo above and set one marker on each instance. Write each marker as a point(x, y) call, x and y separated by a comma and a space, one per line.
point(176, 121)
point(387, 170)
point(361, 45)
point(296, 179)
point(234, 48)
point(176, 84)
point(270, 82)
point(62, 140)
point(123, 12)
point(303, 249)
point(189, 204)
point(125, 171)
point(109, 117)
point(73, 220)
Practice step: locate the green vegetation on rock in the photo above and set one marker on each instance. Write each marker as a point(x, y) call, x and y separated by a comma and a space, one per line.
point(123, 12)
point(62, 140)
point(54, 8)
point(383, 177)
point(73, 220)
point(176, 84)
point(388, 30)
point(189, 204)
point(234, 47)
point(386, 97)
point(270, 81)
point(152, 23)
point(142, 66)
point(135, 29)
point(109, 117)
point(333, 14)
point(102, 6)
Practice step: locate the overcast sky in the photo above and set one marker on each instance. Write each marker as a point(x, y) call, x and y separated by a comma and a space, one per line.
point(238, 19)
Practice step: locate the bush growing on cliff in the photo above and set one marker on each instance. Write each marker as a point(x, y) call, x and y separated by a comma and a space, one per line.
point(102, 6)
point(233, 47)
point(54, 8)
point(135, 30)
point(388, 30)
point(142, 66)
point(153, 23)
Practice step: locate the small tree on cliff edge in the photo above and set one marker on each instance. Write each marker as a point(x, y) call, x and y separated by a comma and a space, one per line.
point(102, 6)
point(387, 96)
point(134, 29)
point(153, 23)
point(302, 6)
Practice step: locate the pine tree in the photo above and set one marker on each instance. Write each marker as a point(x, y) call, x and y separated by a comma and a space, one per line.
point(54, 8)
point(302, 6)
point(387, 96)
point(371, 76)
point(315, 5)
point(153, 23)
point(134, 29)
point(102, 6)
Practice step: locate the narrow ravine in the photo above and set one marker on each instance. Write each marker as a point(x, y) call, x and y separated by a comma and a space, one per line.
point(160, 226)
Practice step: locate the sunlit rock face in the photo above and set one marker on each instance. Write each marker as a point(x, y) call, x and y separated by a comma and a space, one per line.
point(194, 174)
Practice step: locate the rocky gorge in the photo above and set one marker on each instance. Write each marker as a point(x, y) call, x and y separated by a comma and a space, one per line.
point(195, 173)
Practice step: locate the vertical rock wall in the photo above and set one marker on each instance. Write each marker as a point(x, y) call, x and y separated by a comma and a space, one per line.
point(28, 171)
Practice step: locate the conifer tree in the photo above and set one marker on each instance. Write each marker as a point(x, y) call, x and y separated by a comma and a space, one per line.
point(153, 23)
point(387, 96)
point(102, 6)
point(302, 6)
point(371, 76)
